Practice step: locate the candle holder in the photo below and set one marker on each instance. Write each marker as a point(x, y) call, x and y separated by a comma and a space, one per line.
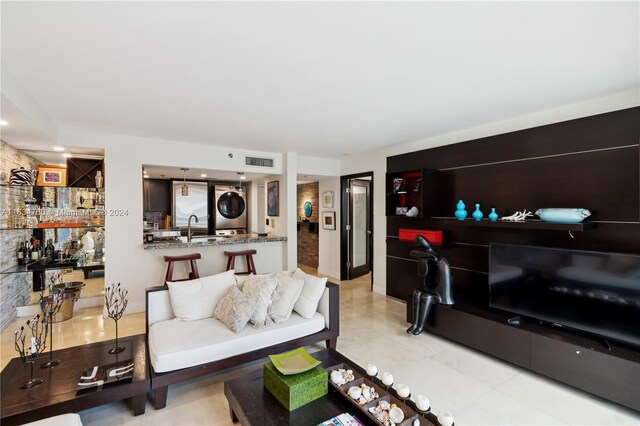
point(50, 305)
point(39, 329)
point(116, 302)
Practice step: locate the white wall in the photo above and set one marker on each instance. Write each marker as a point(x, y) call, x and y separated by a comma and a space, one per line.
point(127, 261)
point(376, 160)
point(329, 241)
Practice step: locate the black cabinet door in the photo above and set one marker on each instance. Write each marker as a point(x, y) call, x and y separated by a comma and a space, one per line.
point(157, 195)
point(602, 374)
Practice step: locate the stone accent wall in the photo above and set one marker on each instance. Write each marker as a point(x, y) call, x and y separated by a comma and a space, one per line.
point(15, 289)
point(308, 242)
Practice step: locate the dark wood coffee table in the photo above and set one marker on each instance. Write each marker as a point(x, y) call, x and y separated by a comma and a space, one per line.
point(251, 404)
point(58, 394)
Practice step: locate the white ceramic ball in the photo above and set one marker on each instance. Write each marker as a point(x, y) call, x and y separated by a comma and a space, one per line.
point(387, 379)
point(403, 391)
point(445, 418)
point(422, 403)
point(372, 370)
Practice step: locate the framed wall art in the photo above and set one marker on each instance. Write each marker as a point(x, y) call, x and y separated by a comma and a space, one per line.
point(51, 175)
point(273, 198)
point(327, 199)
point(329, 220)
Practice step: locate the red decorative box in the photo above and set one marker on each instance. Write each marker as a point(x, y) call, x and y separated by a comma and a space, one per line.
point(434, 237)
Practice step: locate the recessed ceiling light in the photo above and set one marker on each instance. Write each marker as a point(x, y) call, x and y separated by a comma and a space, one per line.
point(66, 155)
point(62, 165)
point(203, 175)
point(58, 148)
point(3, 123)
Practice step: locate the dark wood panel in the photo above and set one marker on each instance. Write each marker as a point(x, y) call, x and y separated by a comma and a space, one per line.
point(609, 376)
point(499, 340)
point(403, 274)
point(616, 128)
point(605, 182)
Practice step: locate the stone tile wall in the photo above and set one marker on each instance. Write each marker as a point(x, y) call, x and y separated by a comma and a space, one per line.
point(308, 242)
point(15, 289)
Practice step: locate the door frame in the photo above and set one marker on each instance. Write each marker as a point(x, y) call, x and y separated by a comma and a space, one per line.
point(344, 214)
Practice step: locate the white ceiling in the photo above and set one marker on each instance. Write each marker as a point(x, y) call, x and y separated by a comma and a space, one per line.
point(317, 78)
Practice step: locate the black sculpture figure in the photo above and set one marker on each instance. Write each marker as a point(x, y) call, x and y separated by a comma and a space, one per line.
point(429, 294)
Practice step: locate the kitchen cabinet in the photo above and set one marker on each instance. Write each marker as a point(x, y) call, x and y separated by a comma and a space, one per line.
point(157, 195)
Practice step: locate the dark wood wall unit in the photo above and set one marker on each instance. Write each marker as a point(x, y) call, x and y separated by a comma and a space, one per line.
point(591, 162)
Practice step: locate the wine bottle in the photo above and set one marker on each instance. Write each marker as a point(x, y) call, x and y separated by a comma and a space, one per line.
point(21, 254)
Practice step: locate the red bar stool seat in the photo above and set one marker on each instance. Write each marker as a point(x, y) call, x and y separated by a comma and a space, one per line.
point(188, 257)
point(231, 262)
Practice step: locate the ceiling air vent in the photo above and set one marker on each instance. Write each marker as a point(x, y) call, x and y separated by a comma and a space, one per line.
point(257, 161)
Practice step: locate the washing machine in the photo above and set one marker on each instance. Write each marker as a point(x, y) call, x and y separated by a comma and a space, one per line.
point(230, 207)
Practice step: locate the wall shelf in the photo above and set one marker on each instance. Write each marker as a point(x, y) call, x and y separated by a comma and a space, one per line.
point(528, 224)
point(36, 267)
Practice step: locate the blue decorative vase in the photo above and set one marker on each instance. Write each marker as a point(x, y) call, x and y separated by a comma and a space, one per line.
point(477, 215)
point(461, 213)
point(493, 216)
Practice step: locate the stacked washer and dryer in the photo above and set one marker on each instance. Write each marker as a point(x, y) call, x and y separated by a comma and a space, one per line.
point(230, 210)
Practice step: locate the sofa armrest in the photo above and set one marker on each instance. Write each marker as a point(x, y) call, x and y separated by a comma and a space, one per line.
point(158, 305)
point(329, 306)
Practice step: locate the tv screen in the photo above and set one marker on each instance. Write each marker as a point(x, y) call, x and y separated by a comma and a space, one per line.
point(594, 292)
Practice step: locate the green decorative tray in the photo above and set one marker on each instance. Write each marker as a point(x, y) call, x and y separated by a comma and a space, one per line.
point(294, 362)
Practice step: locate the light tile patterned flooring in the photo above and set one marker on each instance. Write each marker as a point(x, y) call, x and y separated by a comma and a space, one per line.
point(477, 389)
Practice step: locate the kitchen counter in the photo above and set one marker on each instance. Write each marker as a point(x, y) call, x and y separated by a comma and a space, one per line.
point(201, 241)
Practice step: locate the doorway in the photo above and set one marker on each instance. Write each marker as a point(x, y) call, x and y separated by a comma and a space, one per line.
point(356, 226)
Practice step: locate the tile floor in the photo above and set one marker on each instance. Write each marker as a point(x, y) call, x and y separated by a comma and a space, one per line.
point(477, 389)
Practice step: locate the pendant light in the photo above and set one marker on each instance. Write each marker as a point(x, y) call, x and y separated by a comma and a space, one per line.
point(241, 174)
point(185, 188)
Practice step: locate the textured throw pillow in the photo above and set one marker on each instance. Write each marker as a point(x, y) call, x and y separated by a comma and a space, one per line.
point(234, 309)
point(262, 290)
point(195, 299)
point(240, 279)
point(289, 291)
point(312, 291)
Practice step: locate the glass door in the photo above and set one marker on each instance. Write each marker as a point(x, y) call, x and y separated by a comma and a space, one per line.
point(359, 228)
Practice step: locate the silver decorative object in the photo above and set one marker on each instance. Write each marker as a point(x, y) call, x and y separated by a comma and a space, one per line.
point(50, 305)
point(116, 303)
point(28, 353)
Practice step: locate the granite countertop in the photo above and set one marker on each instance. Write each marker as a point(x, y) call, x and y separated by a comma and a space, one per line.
point(212, 241)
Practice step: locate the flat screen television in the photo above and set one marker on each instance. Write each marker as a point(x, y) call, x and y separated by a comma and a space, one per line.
point(593, 292)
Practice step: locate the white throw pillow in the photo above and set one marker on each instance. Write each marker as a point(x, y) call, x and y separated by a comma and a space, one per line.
point(289, 290)
point(262, 290)
point(196, 299)
point(312, 291)
point(234, 309)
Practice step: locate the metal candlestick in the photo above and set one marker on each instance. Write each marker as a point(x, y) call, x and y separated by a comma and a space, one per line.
point(116, 302)
point(39, 329)
point(50, 305)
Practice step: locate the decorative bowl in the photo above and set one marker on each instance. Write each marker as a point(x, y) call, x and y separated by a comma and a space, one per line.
point(563, 215)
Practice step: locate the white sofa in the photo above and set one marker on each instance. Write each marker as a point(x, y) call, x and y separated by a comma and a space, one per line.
point(181, 350)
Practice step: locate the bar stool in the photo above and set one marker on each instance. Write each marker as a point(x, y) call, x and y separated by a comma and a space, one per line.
point(192, 260)
point(249, 256)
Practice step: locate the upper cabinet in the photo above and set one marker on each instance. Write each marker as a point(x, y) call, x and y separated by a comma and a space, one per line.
point(157, 195)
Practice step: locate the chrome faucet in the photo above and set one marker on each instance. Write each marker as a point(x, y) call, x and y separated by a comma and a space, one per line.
point(189, 226)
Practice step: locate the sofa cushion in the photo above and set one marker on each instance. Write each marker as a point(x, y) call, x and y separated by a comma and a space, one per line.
point(289, 291)
point(262, 290)
point(312, 290)
point(196, 299)
point(235, 309)
point(178, 344)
